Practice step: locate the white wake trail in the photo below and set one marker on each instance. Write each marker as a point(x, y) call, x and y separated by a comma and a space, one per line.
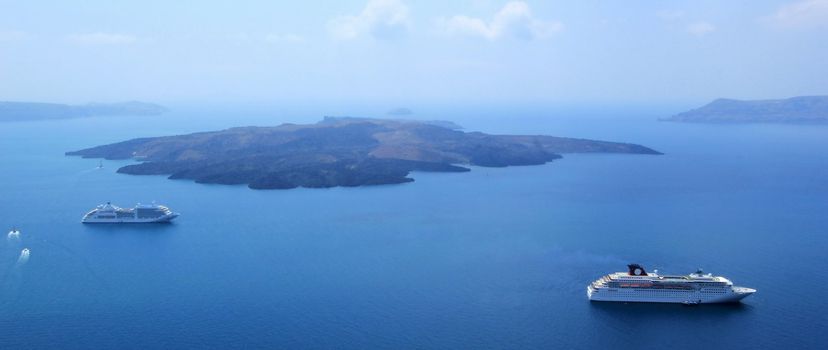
point(13, 235)
point(24, 257)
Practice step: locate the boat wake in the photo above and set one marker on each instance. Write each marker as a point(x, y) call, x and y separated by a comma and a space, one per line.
point(24, 257)
point(13, 235)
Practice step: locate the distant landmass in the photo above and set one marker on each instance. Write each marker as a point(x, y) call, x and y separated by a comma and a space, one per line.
point(337, 152)
point(442, 123)
point(23, 111)
point(400, 111)
point(803, 109)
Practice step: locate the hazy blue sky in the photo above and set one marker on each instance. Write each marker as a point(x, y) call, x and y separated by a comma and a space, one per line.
point(405, 51)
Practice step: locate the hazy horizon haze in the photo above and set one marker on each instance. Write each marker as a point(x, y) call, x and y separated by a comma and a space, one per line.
point(403, 53)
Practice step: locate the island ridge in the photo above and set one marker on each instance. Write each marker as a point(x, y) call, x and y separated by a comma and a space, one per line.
point(337, 152)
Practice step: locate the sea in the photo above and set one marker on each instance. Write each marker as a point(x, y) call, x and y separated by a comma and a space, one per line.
point(496, 258)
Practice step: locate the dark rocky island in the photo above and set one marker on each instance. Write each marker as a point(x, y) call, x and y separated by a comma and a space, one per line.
point(23, 111)
point(803, 109)
point(337, 152)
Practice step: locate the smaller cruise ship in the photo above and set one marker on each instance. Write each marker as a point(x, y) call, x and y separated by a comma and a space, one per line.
point(141, 213)
point(636, 285)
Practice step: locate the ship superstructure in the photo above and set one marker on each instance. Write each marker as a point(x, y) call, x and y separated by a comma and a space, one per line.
point(141, 213)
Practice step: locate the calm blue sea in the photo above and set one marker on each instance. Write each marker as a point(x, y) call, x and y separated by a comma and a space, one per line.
point(491, 259)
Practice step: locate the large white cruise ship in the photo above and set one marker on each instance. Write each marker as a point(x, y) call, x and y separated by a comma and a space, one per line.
point(141, 213)
point(637, 285)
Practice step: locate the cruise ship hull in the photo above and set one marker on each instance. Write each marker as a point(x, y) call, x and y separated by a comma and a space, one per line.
point(655, 296)
point(140, 214)
point(162, 219)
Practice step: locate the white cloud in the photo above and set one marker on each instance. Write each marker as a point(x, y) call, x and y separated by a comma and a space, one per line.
point(12, 35)
point(99, 38)
point(379, 18)
point(700, 28)
point(804, 13)
point(514, 19)
point(283, 38)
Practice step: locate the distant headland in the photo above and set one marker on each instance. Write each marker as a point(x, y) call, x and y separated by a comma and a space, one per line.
point(337, 152)
point(400, 111)
point(25, 111)
point(803, 109)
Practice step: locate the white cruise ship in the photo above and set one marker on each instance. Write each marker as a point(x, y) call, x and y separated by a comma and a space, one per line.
point(141, 213)
point(637, 285)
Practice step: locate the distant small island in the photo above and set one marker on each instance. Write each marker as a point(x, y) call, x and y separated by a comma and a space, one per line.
point(337, 152)
point(400, 111)
point(803, 109)
point(25, 111)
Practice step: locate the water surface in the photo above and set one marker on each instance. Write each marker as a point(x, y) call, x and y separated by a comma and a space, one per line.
point(494, 258)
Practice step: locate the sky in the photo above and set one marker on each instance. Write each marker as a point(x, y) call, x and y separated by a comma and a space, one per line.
point(403, 52)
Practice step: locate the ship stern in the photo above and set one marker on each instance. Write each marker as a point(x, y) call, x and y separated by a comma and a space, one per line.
point(591, 292)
